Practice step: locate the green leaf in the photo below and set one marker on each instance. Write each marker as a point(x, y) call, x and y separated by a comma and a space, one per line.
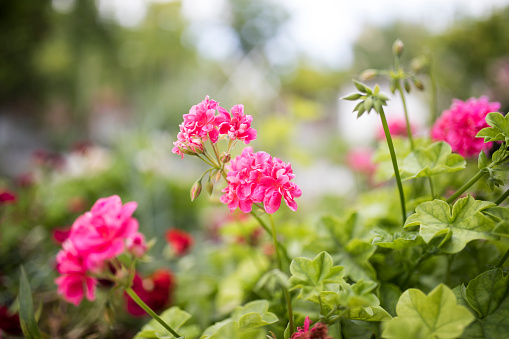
point(311, 275)
point(26, 309)
point(254, 314)
point(501, 216)
point(173, 316)
point(486, 292)
point(466, 223)
point(352, 97)
point(434, 159)
point(436, 315)
point(367, 313)
point(488, 299)
point(397, 240)
point(355, 259)
point(220, 330)
point(499, 129)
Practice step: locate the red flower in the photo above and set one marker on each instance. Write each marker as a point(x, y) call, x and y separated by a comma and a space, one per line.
point(179, 240)
point(9, 323)
point(7, 197)
point(154, 290)
point(61, 234)
point(319, 331)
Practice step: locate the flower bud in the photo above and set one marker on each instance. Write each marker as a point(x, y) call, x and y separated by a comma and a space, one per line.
point(368, 74)
point(195, 189)
point(418, 84)
point(225, 157)
point(210, 185)
point(109, 313)
point(397, 48)
point(406, 84)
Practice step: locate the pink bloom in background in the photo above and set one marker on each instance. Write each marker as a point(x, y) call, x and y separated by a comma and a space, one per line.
point(154, 290)
point(319, 331)
point(459, 125)
point(7, 197)
point(96, 237)
point(255, 178)
point(397, 127)
point(179, 240)
point(361, 160)
point(237, 125)
point(61, 234)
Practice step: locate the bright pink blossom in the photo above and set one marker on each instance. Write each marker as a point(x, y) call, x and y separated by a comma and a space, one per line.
point(179, 240)
point(74, 282)
point(397, 127)
point(154, 290)
point(459, 125)
point(255, 178)
point(237, 125)
point(100, 234)
point(319, 331)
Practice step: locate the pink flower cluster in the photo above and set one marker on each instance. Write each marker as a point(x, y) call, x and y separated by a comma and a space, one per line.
point(460, 124)
point(257, 177)
point(202, 124)
point(95, 238)
point(319, 331)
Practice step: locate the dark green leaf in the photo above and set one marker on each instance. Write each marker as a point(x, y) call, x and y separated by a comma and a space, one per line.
point(26, 309)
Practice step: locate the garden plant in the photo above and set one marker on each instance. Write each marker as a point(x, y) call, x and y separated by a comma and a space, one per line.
point(420, 254)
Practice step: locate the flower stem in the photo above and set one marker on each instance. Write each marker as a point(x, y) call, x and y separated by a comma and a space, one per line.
point(469, 184)
point(394, 163)
point(431, 188)
point(502, 197)
point(407, 120)
point(504, 258)
point(147, 309)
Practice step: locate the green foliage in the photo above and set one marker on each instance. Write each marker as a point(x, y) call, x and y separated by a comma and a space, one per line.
point(434, 159)
point(464, 224)
point(370, 99)
point(487, 298)
point(397, 240)
point(310, 276)
point(26, 309)
point(420, 316)
point(501, 217)
point(251, 316)
point(499, 130)
point(173, 316)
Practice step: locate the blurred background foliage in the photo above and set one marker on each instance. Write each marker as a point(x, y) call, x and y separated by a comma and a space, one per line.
point(71, 76)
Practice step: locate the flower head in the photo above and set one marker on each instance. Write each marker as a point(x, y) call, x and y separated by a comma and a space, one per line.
point(179, 240)
point(255, 178)
point(459, 125)
point(319, 331)
point(237, 125)
point(7, 197)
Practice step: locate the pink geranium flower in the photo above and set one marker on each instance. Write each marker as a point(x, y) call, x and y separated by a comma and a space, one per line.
point(319, 331)
point(179, 240)
point(256, 177)
point(459, 125)
point(100, 234)
point(397, 127)
point(7, 197)
point(237, 125)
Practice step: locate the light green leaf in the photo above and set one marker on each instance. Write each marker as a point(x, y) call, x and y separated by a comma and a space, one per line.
point(311, 275)
point(397, 240)
point(254, 314)
point(464, 224)
point(488, 293)
point(355, 259)
point(499, 129)
point(26, 309)
point(436, 315)
point(220, 330)
point(434, 159)
point(501, 216)
point(366, 313)
point(173, 316)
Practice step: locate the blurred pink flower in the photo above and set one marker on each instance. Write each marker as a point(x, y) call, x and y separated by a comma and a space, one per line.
point(136, 245)
point(361, 160)
point(397, 127)
point(100, 234)
point(256, 177)
point(319, 331)
point(459, 125)
point(61, 234)
point(180, 241)
point(7, 197)
point(237, 125)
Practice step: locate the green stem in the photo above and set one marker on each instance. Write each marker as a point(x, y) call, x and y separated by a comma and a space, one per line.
point(394, 163)
point(282, 248)
point(434, 111)
point(502, 197)
point(280, 265)
point(504, 258)
point(463, 188)
point(407, 119)
point(216, 152)
point(147, 309)
point(208, 162)
point(431, 188)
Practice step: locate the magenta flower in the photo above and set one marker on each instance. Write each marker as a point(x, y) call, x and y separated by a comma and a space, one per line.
point(237, 125)
point(255, 178)
point(100, 234)
point(397, 127)
point(319, 331)
point(459, 125)
point(95, 238)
